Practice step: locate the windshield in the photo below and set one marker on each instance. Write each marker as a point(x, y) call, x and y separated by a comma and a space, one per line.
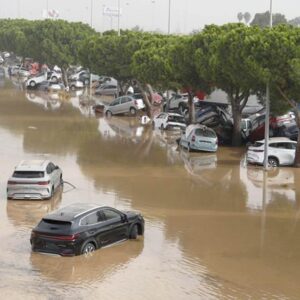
point(205, 132)
point(28, 174)
point(178, 119)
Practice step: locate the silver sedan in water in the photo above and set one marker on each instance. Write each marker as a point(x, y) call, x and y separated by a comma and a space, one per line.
point(34, 179)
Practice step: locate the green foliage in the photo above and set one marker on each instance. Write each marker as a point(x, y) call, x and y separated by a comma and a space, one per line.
point(263, 19)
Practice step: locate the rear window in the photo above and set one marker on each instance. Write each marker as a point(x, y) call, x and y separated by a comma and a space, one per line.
point(205, 132)
point(54, 224)
point(28, 174)
point(177, 119)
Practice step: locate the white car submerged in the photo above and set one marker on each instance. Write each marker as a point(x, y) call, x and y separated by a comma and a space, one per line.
point(165, 121)
point(34, 179)
point(281, 152)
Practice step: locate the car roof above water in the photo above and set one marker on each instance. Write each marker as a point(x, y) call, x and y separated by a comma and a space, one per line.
point(32, 165)
point(71, 212)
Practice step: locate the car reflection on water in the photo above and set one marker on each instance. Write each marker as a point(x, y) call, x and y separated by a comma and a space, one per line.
point(86, 270)
point(49, 101)
point(28, 213)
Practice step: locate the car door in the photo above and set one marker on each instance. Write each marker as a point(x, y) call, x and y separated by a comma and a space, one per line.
point(113, 107)
point(286, 153)
point(94, 226)
point(118, 227)
point(125, 104)
point(159, 120)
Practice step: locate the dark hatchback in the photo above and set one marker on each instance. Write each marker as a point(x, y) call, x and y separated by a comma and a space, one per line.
point(82, 228)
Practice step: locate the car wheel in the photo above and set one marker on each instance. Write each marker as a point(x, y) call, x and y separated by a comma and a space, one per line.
point(109, 114)
point(273, 162)
point(72, 87)
point(162, 127)
point(86, 81)
point(32, 83)
point(88, 248)
point(134, 232)
point(54, 79)
point(132, 111)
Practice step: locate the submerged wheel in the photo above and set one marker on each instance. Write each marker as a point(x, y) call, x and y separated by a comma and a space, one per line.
point(109, 114)
point(132, 111)
point(134, 232)
point(273, 162)
point(52, 192)
point(88, 248)
point(32, 83)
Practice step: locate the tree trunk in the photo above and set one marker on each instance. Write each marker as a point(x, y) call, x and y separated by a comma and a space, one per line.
point(149, 87)
point(145, 99)
point(191, 108)
point(236, 134)
point(65, 77)
point(297, 156)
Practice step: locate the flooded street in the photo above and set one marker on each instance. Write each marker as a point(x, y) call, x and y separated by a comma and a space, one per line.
point(213, 230)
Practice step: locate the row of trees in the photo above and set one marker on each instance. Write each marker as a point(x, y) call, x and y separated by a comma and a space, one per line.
point(236, 58)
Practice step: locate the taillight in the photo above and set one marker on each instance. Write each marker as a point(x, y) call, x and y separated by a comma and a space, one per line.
point(68, 238)
point(193, 138)
point(43, 182)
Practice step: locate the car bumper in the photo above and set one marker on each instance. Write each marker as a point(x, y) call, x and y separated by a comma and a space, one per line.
point(17, 193)
point(207, 147)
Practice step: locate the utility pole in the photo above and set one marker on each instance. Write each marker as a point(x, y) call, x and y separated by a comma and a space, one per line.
point(267, 118)
point(169, 19)
point(91, 13)
point(119, 8)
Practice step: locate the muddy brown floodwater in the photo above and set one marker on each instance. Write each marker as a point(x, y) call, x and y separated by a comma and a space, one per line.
point(210, 231)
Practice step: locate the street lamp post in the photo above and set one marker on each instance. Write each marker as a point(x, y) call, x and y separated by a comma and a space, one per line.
point(91, 13)
point(119, 7)
point(169, 19)
point(267, 118)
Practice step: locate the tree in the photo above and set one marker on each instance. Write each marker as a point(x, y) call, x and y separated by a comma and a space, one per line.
point(295, 22)
point(240, 16)
point(223, 57)
point(263, 19)
point(278, 59)
point(247, 17)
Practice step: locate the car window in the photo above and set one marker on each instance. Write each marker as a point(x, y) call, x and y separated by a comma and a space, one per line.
point(28, 174)
point(49, 169)
point(274, 145)
point(93, 218)
point(125, 99)
point(115, 102)
point(178, 119)
point(52, 166)
point(110, 214)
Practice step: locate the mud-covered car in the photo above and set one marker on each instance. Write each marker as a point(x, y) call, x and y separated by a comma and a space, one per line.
point(81, 228)
point(34, 179)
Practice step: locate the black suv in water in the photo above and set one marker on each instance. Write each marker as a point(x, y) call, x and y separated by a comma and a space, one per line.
point(82, 228)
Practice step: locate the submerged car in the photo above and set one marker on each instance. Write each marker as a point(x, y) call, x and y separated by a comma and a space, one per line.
point(199, 137)
point(82, 228)
point(34, 179)
point(124, 104)
point(165, 121)
point(281, 152)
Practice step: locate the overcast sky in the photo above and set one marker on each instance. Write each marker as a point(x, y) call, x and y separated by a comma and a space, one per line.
point(186, 15)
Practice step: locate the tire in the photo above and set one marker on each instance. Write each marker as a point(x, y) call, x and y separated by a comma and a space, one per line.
point(32, 83)
point(109, 114)
point(54, 79)
point(132, 111)
point(162, 127)
point(87, 248)
point(134, 232)
point(72, 87)
point(273, 162)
